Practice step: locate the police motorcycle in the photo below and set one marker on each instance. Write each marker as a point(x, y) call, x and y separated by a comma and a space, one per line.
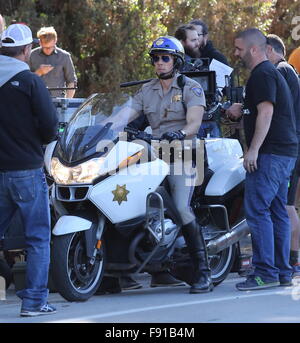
point(113, 208)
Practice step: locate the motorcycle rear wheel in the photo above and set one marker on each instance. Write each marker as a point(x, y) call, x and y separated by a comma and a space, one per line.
point(74, 276)
point(221, 264)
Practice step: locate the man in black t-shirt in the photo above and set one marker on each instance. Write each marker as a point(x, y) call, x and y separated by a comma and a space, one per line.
point(270, 132)
point(276, 54)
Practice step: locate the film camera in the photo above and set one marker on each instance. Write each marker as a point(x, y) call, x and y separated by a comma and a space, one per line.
point(217, 100)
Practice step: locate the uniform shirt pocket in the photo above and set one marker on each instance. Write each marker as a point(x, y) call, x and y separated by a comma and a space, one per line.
point(175, 111)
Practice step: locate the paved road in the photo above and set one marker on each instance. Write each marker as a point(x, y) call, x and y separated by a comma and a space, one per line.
point(171, 305)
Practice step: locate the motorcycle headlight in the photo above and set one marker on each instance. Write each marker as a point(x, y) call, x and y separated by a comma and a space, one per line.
point(83, 173)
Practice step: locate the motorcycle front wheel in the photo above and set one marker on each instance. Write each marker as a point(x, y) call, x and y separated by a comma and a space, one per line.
point(76, 277)
point(221, 264)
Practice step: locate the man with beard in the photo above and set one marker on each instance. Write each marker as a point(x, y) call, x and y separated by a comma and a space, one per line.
point(271, 138)
point(206, 48)
point(188, 37)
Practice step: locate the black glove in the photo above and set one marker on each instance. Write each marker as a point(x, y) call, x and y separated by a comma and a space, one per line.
point(144, 136)
point(173, 135)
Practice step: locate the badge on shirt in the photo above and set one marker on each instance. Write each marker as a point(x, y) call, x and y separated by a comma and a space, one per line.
point(138, 91)
point(197, 91)
point(177, 97)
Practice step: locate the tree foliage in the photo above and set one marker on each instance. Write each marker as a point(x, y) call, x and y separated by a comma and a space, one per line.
point(109, 39)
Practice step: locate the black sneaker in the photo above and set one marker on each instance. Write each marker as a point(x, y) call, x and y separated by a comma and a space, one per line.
point(45, 309)
point(165, 279)
point(255, 282)
point(128, 283)
point(109, 285)
point(286, 282)
point(296, 270)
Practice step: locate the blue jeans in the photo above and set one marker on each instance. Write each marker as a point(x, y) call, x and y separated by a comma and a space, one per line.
point(27, 191)
point(211, 128)
point(265, 200)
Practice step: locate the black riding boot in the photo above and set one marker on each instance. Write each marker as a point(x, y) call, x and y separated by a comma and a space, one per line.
point(193, 236)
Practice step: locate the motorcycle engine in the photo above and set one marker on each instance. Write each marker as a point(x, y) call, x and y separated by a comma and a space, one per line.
point(170, 231)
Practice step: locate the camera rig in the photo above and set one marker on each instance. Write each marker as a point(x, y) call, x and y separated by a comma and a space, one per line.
point(217, 101)
point(207, 79)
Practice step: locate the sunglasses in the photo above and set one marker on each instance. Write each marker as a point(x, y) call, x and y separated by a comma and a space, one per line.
point(164, 58)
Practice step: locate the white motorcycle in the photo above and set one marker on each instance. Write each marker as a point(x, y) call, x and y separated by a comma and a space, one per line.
point(114, 211)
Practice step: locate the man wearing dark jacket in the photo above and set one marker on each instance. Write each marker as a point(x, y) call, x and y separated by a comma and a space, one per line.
point(187, 35)
point(207, 50)
point(28, 120)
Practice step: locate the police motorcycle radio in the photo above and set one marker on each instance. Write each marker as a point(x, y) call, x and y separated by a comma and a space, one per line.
point(198, 70)
point(113, 208)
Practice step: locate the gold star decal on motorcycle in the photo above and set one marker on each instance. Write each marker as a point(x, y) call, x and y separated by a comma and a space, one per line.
point(120, 194)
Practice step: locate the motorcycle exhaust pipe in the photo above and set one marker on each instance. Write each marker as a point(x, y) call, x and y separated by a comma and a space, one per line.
point(238, 231)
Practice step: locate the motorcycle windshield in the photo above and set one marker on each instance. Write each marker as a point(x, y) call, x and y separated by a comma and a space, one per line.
point(93, 127)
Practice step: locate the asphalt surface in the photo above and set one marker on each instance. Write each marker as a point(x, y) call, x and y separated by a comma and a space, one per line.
point(170, 305)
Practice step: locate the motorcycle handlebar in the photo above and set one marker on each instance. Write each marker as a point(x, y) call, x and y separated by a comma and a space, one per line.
point(135, 133)
point(142, 135)
point(131, 130)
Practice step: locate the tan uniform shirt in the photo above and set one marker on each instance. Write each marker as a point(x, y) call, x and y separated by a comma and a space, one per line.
point(165, 112)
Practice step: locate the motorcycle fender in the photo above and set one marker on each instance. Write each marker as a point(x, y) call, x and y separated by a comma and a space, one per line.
point(226, 178)
point(70, 224)
point(222, 150)
point(132, 204)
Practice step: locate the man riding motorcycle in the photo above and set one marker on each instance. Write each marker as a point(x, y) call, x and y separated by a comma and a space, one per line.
point(175, 112)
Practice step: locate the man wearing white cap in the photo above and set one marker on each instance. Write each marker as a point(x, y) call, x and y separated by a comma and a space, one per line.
point(28, 120)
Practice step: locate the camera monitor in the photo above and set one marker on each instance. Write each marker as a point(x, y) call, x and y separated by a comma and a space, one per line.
point(207, 80)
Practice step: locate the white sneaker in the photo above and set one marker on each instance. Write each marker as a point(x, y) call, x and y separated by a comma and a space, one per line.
point(45, 309)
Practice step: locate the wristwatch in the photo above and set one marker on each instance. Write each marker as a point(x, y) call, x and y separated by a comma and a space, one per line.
point(183, 132)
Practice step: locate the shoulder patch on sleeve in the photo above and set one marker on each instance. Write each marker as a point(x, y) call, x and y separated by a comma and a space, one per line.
point(197, 91)
point(138, 91)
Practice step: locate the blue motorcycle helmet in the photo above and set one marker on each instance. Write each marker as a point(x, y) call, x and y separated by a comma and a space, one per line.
point(168, 45)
